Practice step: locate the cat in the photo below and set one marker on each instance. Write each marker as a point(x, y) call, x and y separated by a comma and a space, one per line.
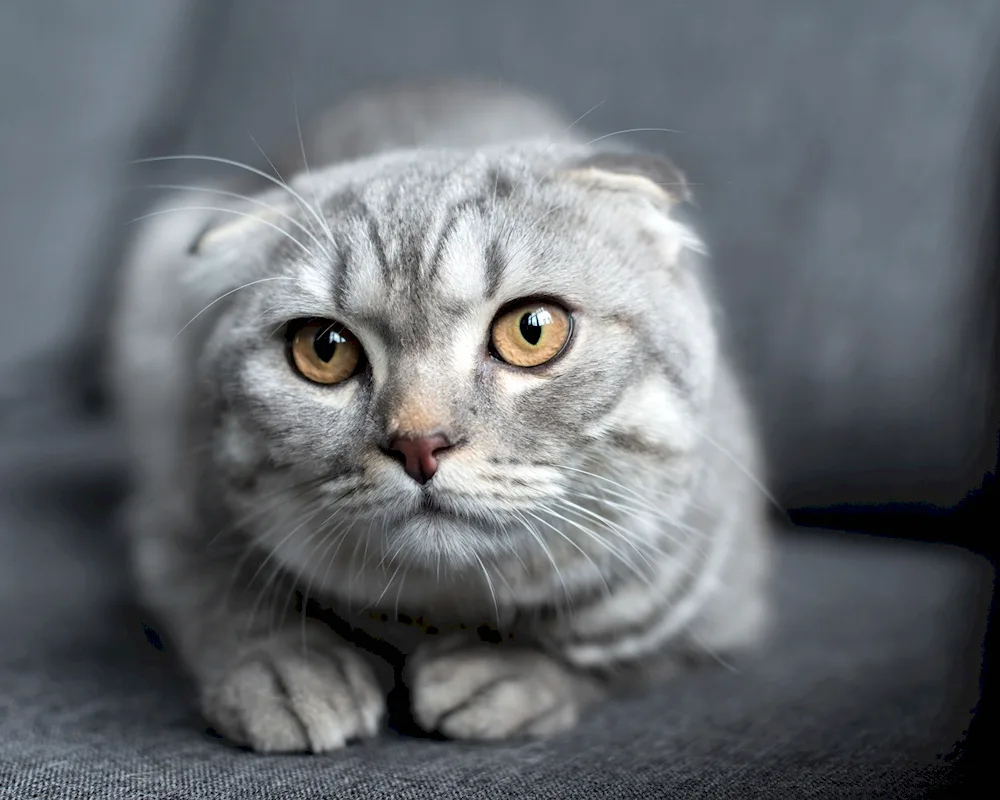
point(457, 395)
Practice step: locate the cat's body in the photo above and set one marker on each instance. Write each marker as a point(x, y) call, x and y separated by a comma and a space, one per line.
point(595, 512)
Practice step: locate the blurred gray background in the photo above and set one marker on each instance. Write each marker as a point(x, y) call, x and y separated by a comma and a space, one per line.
point(840, 152)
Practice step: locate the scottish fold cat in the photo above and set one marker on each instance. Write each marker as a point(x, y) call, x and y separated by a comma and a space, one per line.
point(456, 394)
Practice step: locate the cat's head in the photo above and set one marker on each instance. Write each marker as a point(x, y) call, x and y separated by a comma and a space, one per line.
point(455, 350)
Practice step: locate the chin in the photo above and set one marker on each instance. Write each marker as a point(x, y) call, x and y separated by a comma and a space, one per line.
point(438, 534)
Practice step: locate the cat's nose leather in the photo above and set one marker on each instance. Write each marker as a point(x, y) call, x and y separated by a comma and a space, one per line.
point(419, 454)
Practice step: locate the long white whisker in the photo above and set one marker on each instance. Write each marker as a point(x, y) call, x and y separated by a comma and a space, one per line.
point(283, 495)
point(239, 165)
point(562, 133)
point(227, 294)
point(635, 510)
point(301, 204)
point(580, 118)
point(584, 553)
point(493, 594)
point(548, 554)
point(252, 200)
point(221, 210)
point(600, 540)
point(276, 569)
point(305, 167)
point(617, 531)
point(386, 589)
point(631, 492)
point(632, 130)
point(718, 658)
point(274, 550)
point(328, 538)
point(739, 465)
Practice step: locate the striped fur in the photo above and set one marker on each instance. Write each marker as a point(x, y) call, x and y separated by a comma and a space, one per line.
point(597, 515)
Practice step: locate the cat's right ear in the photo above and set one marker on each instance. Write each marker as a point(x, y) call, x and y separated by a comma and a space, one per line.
point(229, 247)
point(233, 229)
point(651, 175)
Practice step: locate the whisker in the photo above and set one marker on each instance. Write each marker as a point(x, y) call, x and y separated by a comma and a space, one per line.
point(584, 115)
point(493, 594)
point(740, 466)
point(222, 297)
point(402, 581)
point(548, 554)
point(624, 535)
point(277, 567)
point(247, 550)
point(725, 664)
point(329, 539)
point(285, 494)
point(635, 511)
point(303, 208)
point(562, 133)
point(221, 210)
point(297, 580)
point(386, 589)
point(239, 165)
point(183, 187)
point(305, 167)
point(638, 497)
point(632, 130)
point(583, 552)
point(364, 556)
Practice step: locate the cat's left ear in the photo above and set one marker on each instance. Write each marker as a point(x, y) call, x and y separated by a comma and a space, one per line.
point(648, 174)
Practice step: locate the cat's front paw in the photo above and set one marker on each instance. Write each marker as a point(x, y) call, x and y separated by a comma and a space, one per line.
point(493, 692)
point(286, 694)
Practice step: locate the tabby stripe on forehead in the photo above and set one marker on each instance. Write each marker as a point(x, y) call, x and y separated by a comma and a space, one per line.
point(496, 264)
point(379, 246)
point(349, 204)
point(497, 187)
point(451, 220)
point(344, 254)
point(501, 186)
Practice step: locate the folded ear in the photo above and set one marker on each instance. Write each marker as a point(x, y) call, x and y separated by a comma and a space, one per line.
point(626, 171)
point(232, 228)
point(231, 244)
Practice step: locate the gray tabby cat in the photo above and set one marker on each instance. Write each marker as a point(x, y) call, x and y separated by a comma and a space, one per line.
point(460, 398)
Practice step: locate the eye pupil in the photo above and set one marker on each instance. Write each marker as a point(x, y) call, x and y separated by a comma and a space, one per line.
point(326, 343)
point(531, 327)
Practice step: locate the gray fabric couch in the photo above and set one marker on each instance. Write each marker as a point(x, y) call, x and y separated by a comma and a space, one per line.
point(842, 157)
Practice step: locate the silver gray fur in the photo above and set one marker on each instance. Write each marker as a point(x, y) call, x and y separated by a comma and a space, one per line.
point(599, 513)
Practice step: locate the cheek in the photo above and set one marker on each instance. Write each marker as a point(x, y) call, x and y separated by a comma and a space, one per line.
point(650, 415)
point(237, 451)
point(298, 421)
point(581, 387)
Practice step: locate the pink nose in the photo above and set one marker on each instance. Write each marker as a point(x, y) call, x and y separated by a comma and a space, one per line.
point(419, 455)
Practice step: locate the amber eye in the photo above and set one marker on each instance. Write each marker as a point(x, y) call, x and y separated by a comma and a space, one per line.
point(529, 334)
point(324, 351)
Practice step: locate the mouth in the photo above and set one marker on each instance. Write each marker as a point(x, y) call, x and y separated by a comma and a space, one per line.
point(430, 505)
point(443, 508)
